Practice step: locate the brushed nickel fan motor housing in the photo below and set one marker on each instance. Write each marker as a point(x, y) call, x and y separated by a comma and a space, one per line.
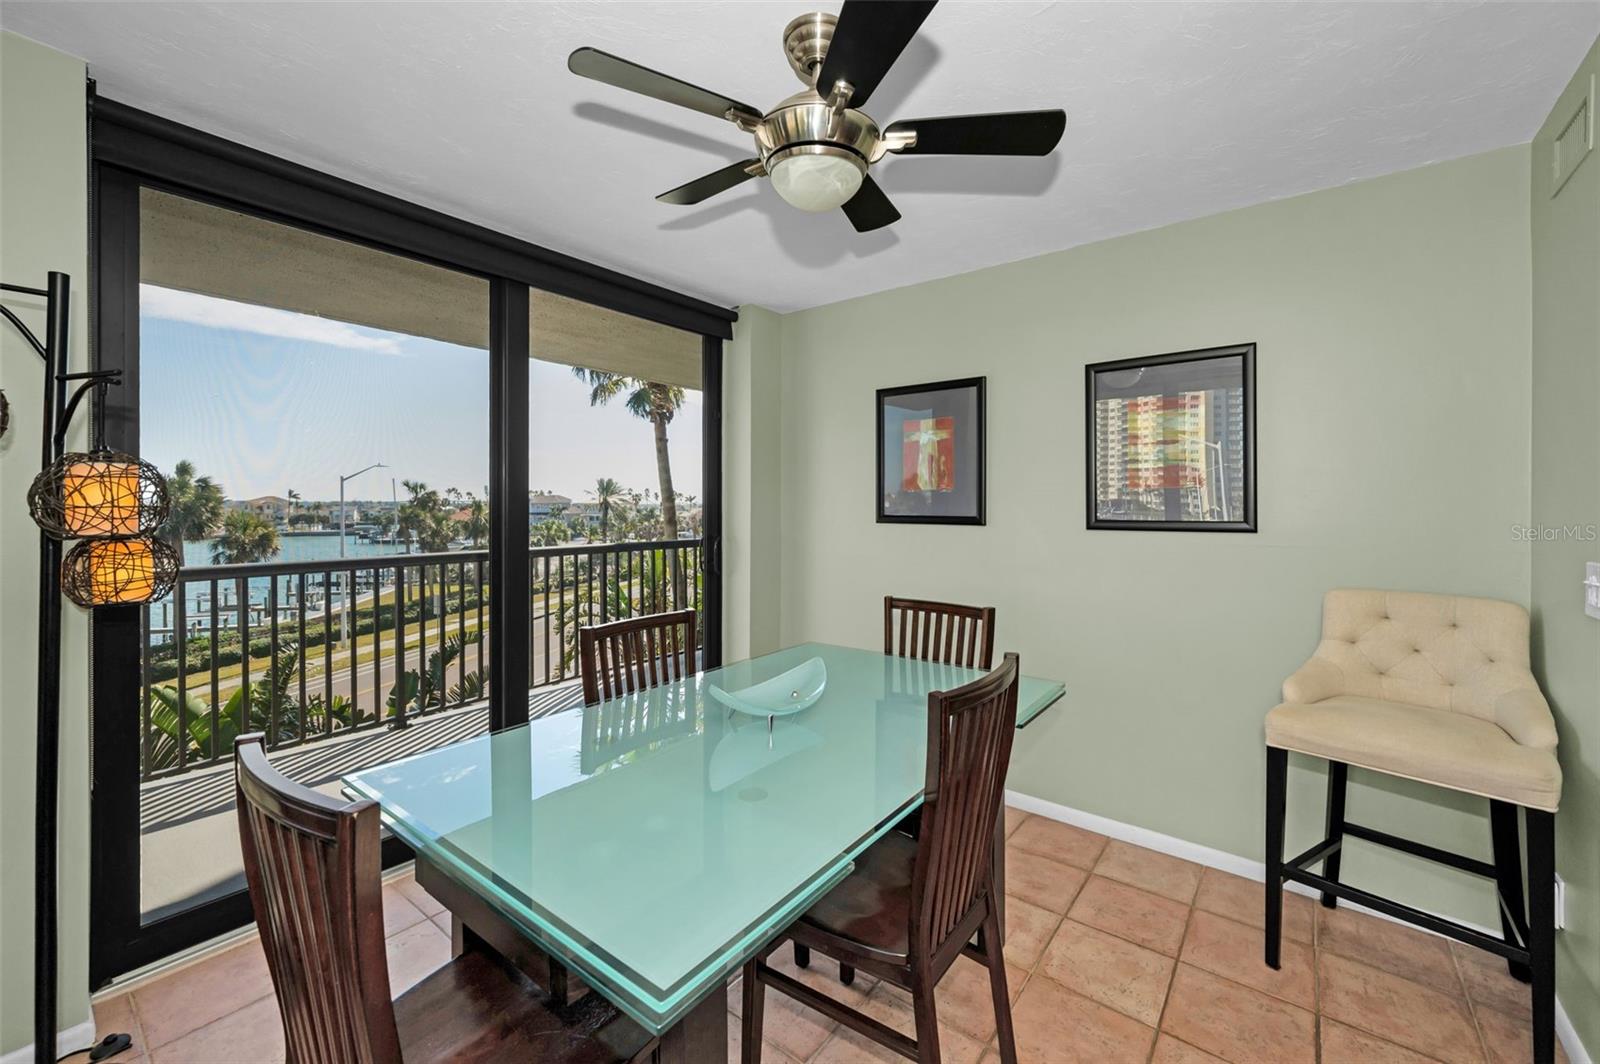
point(805, 43)
point(806, 121)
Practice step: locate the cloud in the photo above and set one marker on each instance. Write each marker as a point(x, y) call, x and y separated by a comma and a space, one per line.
point(213, 312)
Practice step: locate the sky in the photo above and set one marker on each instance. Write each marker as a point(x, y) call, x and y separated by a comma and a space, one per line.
point(265, 400)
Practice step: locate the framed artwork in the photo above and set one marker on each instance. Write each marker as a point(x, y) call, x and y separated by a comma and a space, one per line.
point(931, 453)
point(1172, 441)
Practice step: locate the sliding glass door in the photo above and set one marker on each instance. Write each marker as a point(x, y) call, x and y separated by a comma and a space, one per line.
point(320, 411)
point(616, 512)
point(399, 487)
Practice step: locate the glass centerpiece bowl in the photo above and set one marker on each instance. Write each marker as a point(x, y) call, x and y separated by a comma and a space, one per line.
point(786, 693)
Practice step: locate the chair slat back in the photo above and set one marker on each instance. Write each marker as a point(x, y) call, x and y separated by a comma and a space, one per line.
point(969, 749)
point(945, 632)
point(313, 866)
point(636, 654)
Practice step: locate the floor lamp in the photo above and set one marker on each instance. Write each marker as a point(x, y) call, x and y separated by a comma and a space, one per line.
point(112, 504)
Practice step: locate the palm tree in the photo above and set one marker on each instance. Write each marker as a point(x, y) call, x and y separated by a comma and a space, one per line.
point(194, 508)
point(688, 503)
point(385, 520)
point(549, 533)
point(583, 608)
point(274, 691)
point(245, 537)
point(607, 492)
point(426, 516)
point(655, 403)
point(476, 525)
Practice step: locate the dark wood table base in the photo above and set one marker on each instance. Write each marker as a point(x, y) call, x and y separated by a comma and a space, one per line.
point(701, 1037)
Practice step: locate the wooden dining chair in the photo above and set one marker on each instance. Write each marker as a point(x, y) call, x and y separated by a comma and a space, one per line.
point(635, 654)
point(912, 906)
point(313, 866)
point(945, 632)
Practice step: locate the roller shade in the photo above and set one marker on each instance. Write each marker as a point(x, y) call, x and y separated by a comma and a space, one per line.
point(196, 247)
point(574, 333)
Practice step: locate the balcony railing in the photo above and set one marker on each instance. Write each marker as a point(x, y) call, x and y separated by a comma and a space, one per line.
point(304, 651)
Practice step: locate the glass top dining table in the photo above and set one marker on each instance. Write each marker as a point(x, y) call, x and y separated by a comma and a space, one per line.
point(656, 841)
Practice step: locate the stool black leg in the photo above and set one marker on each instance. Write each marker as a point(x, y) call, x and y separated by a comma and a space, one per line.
point(1277, 781)
point(1542, 930)
point(1506, 835)
point(1338, 777)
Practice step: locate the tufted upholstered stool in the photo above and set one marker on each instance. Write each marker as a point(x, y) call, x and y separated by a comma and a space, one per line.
point(1433, 688)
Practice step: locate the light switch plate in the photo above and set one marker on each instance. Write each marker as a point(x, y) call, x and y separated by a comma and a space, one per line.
point(1561, 903)
point(1591, 590)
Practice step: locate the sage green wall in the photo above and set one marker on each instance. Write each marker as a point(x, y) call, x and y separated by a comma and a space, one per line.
point(1393, 321)
point(752, 537)
point(43, 226)
point(1566, 492)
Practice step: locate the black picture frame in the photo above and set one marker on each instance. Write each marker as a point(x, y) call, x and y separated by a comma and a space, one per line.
point(1095, 372)
point(971, 454)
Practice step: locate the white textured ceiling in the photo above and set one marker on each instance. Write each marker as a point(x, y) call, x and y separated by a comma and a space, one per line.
point(1175, 110)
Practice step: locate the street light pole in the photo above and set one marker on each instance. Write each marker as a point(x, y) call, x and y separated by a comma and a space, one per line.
point(1222, 477)
point(344, 610)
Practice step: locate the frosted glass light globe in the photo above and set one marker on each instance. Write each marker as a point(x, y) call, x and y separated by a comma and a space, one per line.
point(817, 182)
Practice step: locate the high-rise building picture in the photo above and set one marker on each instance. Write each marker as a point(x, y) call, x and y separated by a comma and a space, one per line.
point(1171, 441)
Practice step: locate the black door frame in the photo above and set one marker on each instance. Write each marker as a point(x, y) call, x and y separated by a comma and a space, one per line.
point(133, 149)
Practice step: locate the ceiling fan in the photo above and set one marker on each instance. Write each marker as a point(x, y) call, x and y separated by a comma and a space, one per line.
point(817, 144)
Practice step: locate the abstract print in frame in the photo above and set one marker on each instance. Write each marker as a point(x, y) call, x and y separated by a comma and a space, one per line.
point(931, 453)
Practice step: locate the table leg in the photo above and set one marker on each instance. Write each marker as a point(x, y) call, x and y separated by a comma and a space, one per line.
point(701, 1037)
point(475, 926)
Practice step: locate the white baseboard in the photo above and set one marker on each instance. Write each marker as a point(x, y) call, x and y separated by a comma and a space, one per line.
point(72, 1040)
point(1576, 1052)
point(1239, 866)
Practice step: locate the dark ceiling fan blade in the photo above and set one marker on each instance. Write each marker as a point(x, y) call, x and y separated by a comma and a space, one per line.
point(869, 208)
point(868, 38)
point(1011, 133)
point(703, 188)
point(603, 66)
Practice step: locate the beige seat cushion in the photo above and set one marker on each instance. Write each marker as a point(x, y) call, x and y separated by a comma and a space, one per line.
point(1439, 746)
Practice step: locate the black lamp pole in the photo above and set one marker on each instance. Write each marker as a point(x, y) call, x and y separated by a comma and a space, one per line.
point(57, 416)
point(48, 739)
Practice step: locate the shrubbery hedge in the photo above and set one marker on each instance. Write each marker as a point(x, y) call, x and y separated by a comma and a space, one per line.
point(197, 648)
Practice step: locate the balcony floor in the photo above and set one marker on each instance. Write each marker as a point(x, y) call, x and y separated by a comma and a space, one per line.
point(189, 837)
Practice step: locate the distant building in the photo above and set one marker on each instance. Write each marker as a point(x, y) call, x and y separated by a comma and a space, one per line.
point(352, 511)
point(689, 523)
point(274, 508)
point(545, 504)
point(584, 512)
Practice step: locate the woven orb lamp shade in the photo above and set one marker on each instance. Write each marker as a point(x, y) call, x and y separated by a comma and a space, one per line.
point(102, 493)
point(119, 572)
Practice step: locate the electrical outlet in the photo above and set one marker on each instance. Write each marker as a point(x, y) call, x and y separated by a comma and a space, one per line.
point(1561, 903)
point(1591, 590)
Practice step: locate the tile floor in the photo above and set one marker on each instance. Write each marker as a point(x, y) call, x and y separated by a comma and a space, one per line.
point(1115, 953)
